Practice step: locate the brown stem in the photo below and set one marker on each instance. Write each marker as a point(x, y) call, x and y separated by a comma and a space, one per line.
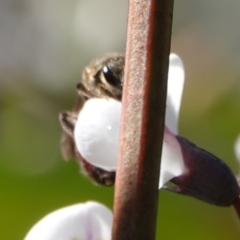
point(144, 100)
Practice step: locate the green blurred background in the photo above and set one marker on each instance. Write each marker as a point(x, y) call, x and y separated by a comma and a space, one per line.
point(44, 46)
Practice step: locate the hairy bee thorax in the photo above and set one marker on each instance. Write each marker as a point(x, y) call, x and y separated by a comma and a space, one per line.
point(102, 78)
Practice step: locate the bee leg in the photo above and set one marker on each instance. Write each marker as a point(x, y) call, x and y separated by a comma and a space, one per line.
point(83, 91)
point(98, 175)
point(67, 146)
point(67, 121)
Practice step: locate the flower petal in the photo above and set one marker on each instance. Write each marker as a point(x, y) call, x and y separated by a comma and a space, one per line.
point(174, 92)
point(237, 148)
point(97, 129)
point(86, 221)
point(97, 132)
point(207, 178)
point(172, 164)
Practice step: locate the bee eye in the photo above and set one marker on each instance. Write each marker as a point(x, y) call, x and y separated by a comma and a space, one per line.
point(110, 77)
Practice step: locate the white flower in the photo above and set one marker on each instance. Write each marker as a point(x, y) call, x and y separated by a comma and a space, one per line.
point(237, 154)
point(97, 132)
point(172, 164)
point(84, 221)
point(194, 171)
point(174, 92)
point(237, 148)
point(97, 129)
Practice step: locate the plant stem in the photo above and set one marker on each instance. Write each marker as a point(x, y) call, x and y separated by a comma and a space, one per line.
point(144, 101)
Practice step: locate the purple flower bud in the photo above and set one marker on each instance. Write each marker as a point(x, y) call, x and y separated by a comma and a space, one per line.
point(207, 178)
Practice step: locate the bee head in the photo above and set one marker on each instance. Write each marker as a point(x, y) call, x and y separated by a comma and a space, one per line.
point(103, 77)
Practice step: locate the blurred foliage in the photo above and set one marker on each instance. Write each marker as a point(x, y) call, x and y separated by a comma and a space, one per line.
point(44, 46)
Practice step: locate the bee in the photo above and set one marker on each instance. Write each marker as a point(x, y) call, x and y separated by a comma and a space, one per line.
point(102, 78)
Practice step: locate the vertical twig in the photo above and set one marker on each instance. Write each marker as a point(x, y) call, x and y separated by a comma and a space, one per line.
point(144, 99)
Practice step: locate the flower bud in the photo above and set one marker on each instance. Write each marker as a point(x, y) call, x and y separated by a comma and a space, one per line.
point(207, 178)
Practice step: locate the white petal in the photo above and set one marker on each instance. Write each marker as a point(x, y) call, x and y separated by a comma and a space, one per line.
point(87, 221)
point(172, 164)
point(97, 128)
point(174, 92)
point(237, 148)
point(97, 132)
